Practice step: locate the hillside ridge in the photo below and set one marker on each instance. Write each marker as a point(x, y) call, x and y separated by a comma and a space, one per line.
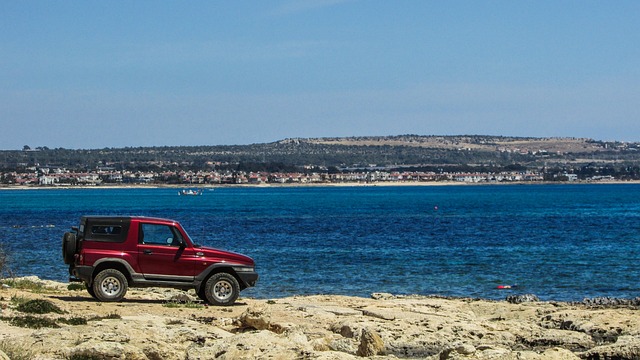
point(340, 152)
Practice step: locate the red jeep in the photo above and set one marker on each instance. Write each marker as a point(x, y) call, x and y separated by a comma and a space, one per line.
point(110, 254)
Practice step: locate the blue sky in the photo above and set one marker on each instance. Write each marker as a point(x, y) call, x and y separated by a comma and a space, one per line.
point(95, 74)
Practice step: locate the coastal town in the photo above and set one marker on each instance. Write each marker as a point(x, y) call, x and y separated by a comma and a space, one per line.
point(406, 159)
point(46, 177)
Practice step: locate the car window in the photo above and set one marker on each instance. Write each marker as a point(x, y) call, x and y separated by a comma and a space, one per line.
point(153, 234)
point(106, 230)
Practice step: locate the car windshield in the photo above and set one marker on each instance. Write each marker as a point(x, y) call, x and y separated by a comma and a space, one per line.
point(190, 238)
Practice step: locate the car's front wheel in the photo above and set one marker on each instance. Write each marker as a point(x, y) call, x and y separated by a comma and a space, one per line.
point(222, 289)
point(110, 285)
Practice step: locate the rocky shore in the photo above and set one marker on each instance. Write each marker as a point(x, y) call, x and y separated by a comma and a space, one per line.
point(169, 324)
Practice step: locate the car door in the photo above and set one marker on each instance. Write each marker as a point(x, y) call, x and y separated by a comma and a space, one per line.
point(162, 254)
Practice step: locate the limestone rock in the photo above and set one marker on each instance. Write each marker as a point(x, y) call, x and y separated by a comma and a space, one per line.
point(559, 354)
point(370, 343)
point(325, 327)
point(379, 314)
point(252, 345)
point(259, 318)
point(343, 345)
point(465, 349)
point(106, 351)
point(346, 329)
point(627, 347)
point(180, 298)
point(570, 340)
point(457, 351)
point(506, 354)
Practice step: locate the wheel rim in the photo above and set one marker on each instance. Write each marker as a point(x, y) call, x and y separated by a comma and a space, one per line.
point(222, 290)
point(111, 286)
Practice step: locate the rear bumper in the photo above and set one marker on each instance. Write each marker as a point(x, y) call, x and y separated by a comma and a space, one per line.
point(82, 273)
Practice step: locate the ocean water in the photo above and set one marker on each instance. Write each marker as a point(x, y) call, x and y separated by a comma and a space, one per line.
point(560, 242)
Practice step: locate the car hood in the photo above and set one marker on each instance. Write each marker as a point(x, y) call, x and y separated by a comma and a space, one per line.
point(218, 255)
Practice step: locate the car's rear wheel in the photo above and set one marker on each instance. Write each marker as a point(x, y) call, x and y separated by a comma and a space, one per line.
point(69, 246)
point(110, 285)
point(222, 289)
point(90, 291)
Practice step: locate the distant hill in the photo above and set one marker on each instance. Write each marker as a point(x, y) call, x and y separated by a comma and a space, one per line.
point(474, 142)
point(344, 152)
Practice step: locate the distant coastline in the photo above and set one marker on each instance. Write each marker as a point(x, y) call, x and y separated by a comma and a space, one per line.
point(310, 185)
point(352, 161)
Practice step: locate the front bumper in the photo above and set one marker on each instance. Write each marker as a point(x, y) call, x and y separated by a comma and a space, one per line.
point(248, 278)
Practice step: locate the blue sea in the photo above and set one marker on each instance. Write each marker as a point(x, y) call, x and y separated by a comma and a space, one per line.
point(560, 242)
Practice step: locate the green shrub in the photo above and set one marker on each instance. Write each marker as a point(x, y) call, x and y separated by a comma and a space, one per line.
point(39, 306)
point(76, 287)
point(73, 321)
point(109, 316)
point(33, 322)
point(188, 304)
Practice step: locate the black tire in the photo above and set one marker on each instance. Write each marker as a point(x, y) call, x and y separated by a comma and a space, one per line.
point(201, 294)
point(110, 285)
point(69, 247)
point(222, 289)
point(90, 291)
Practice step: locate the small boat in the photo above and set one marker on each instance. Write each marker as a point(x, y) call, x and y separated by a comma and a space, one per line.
point(191, 192)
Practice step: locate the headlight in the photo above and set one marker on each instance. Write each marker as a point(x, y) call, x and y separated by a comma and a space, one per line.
point(243, 269)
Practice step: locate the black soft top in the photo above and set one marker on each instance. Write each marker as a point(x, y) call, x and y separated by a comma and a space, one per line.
point(104, 228)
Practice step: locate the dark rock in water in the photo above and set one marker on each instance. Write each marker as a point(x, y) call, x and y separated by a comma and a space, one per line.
point(609, 301)
point(382, 296)
point(518, 299)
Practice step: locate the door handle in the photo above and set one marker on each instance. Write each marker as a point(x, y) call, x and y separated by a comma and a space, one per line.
point(147, 252)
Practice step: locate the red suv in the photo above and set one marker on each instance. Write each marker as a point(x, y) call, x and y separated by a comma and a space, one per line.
point(110, 254)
